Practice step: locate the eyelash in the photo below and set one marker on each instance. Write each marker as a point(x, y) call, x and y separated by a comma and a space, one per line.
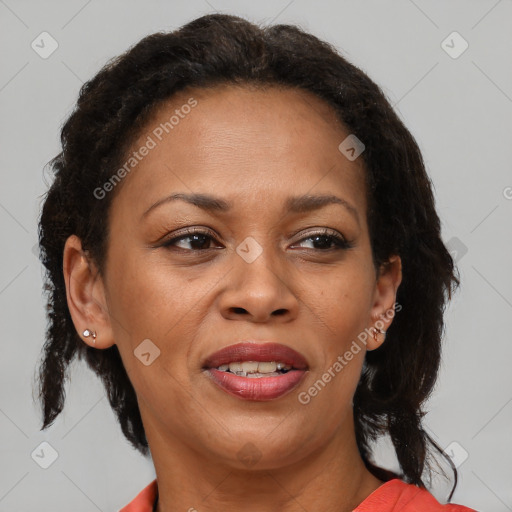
point(341, 243)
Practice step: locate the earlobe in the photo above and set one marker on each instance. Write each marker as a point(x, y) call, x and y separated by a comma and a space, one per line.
point(383, 310)
point(88, 333)
point(378, 335)
point(85, 296)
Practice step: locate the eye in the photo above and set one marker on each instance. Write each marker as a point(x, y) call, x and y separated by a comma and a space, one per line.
point(199, 240)
point(326, 238)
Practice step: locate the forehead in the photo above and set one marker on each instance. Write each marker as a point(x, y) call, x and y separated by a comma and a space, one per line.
point(242, 139)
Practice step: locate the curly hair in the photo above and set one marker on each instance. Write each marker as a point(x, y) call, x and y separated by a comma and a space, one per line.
point(217, 49)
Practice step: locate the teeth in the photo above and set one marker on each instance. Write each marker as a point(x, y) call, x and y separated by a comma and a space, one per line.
point(235, 367)
point(265, 367)
point(249, 366)
point(255, 368)
point(268, 374)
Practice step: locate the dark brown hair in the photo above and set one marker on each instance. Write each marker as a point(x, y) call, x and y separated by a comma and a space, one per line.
point(222, 49)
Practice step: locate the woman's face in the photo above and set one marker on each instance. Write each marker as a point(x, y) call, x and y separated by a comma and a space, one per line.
point(252, 272)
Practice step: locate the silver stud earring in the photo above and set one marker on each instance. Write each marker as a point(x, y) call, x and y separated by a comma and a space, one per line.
point(377, 331)
point(88, 333)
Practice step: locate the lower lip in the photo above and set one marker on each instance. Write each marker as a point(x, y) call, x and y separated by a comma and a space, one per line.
point(258, 388)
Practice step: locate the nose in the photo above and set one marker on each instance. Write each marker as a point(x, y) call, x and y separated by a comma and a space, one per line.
point(259, 290)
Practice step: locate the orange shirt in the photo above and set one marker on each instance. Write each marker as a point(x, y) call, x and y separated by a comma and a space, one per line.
point(392, 496)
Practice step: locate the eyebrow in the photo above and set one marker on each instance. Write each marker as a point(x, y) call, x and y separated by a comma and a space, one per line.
point(297, 204)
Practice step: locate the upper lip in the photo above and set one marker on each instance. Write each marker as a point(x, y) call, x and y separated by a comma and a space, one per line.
point(251, 351)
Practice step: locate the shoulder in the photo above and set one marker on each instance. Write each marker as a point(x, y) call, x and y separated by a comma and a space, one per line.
point(396, 495)
point(143, 502)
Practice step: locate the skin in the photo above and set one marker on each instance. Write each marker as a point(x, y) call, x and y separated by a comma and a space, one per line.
point(254, 148)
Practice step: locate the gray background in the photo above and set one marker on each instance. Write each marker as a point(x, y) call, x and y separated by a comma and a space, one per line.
point(459, 110)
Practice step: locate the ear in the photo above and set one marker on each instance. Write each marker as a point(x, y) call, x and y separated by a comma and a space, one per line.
point(383, 309)
point(86, 295)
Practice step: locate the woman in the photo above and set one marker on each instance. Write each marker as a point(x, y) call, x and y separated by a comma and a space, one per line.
point(242, 241)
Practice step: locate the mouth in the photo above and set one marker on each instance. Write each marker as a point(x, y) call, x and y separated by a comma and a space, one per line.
point(258, 372)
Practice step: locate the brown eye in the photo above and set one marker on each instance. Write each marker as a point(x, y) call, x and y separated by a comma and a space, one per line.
point(325, 239)
point(199, 240)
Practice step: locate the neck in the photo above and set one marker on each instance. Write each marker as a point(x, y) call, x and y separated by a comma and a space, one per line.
point(332, 478)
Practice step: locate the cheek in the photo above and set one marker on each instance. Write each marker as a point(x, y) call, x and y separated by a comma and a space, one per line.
point(340, 306)
point(148, 297)
point(341, 301)
point(150, 304)
point(156, 302)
